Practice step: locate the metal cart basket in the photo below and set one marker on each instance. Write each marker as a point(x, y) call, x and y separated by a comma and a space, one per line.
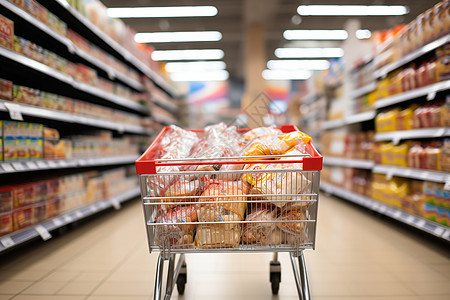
point(245, 204)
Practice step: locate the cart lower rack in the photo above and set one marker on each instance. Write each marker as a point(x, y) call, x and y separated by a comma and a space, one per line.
point(245, 204)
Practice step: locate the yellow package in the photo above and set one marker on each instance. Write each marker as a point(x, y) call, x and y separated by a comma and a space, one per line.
point(400, 154)
point(405, 118)
point(277, 145)
point(387, 157)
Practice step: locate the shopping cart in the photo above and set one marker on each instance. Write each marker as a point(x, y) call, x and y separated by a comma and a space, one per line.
point(277, 194)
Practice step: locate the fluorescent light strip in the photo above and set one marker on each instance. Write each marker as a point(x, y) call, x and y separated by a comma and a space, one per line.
point(162, 12)
point(352, 10)
point(286, 75)
point(308, 52)
point(315, 35)
point(363, 34)
point(204, 54)
point(219, 75)
point(298, 64)
point(195, 66)
point(176, 37)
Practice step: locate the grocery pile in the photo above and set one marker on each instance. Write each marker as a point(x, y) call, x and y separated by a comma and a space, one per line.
point(261, 199)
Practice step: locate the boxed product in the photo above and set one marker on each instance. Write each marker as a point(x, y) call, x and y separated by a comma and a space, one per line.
point(6, 32)
point(6, 223)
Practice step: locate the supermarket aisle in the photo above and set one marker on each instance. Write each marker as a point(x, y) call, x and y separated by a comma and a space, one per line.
point(357, 257)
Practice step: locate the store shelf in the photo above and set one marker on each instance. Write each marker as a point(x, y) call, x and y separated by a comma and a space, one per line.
point(361, 117)
point(116, 47)
point(48, 114)
point(425, 225)
point(44, 69)
point(412, 56)
point(165, 104)
point(419, 174)
point(39, 165)
point(43, 229)
point(429, 91)
point(348, 162)
point(364, 90)
point(165, 120)
point(352, 119)
point(112, 73)
point(327, 125)
point(424, 133)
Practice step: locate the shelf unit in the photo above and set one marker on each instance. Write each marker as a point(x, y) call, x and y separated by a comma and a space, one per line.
point(44, 228)
point(112, 73)
point(48, 114)
point(425, 225)
point(364, 90)
point(68, 80)
point(63, 8)
point(423, 133)
point(411, 56)
point(352, 119)
point(412, 173)
point(348, 162)
point(429, 91)
point(39, 165)
point(72, 88)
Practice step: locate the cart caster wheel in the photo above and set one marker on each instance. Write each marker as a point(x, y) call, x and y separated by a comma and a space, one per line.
point(275, 276)
point(181, 283)
point(275, 284)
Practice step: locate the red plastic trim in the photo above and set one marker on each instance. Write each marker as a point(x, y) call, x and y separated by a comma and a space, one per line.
point(146, 163)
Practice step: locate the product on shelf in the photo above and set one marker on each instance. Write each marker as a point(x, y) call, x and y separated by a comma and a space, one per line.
point(6, 32)
point(22, 141)
point(24, 205)
point(6, 88)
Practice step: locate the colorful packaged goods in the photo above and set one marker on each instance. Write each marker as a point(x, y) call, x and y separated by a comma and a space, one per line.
point(6, 33)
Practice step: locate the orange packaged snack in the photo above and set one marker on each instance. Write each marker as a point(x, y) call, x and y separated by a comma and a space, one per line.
point(277, 145)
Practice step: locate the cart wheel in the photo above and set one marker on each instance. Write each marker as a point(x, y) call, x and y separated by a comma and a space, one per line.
point(181, 283)
point(275, 284)
point(275, 276)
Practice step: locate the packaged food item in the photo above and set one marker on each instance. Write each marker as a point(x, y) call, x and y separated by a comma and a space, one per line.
point(261, 132)
point(414, 155)
point(6, 223)
point(443, 63)
point(434, 152)
point(173, 235)
point(445, 156)
point(277, 145)
point(264, 230)
point(293, 225)
point(227, 234)
point(6, 33)
point(400, 154)
point(183, 188)
point(6, 88)
point(278, 179)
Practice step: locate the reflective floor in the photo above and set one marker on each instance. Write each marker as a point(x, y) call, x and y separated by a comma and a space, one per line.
point(358, 256)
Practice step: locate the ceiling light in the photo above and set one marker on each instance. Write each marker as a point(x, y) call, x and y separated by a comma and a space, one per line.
point(363, 34)
point(315, 34)
point(308, 52)
point(352, 10)
point(162, 12)
point(298, 64)
point(174, 37)
point(286, 74)
point(204, 54)
point(195, 66)
point(219, 75)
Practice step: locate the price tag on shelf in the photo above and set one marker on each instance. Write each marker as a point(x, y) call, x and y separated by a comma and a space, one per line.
point(57, 222)
point(43, 232)
point(410, 219)
point(397, 214)
point(111, 74)
point(68, 219)
point(7, 167)
point(446, 235)
point(41, 164)
point(79, 214)
point(120, 128)
point(14, 111)
point(438, 231)
point(71, 47)
point(447, 184)
point(31, 165)
point(390, 174)
point(63, 164)
point(93, 208)
point(7, 241)
point(431, 95)
point(102, 205)
point(115, 203)
point(52, 164)
point(396, 139)
point(421, 223)
point(18, 166)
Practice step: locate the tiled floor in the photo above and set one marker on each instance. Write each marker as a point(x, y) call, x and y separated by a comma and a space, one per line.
point(358, 256)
